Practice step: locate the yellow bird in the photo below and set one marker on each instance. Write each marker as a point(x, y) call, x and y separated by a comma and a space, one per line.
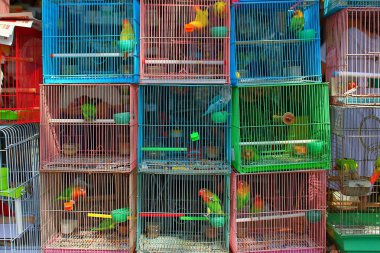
point(200, 21)
point(220, 9)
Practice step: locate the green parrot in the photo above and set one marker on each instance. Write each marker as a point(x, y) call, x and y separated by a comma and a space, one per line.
point(89, 111)
point(72, 193)
point(107, 224)
point(212, 201)
point(243, 194)
point(346, 165)
point(297, 22)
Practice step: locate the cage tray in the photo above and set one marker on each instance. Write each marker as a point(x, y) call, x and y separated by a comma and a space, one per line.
point(9, 231)
point(175, 244)
point(278, 242)
point(207, 165)
point(91, 241)
point(358, 232)
point(105, 163)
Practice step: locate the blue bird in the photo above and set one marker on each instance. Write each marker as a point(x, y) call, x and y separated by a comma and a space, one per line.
point(219, 102)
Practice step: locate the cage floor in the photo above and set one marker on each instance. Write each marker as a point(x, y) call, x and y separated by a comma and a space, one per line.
point(174, 244)
point(202, 165)
point(88, 240)
point(99, 163)
point(276, 242)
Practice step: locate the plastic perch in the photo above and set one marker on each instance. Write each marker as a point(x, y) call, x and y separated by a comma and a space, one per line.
point(272, 217)
point(163, 149)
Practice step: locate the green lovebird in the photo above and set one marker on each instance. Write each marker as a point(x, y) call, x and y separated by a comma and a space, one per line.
point(212, 201)
point(89, 111)
point(243, 194)
point(106, 224)
point(297, 22)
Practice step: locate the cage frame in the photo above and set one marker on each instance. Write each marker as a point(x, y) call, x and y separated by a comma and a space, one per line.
point(49, 141)
point(185, 177)
point(238, 247)
point(237, 80)
point(262, 166)
point(178, 165)
point(132, 78)
point(186, 78)
point(333, 6)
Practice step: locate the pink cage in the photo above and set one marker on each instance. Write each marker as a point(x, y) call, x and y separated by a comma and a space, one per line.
point(4, 6)
point(89, 127)
point(278, 212)
point(88, 212)
point(352, 56)
point(185, 41)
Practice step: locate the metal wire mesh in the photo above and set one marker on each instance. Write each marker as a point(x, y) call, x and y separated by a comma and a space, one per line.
point(94, 212)
point(275, 41)
point(19, 189)
point(354, 199)
point(20, 75)
point(283, 212)
point(90, 41)
point(183, 213)
point(184, 128)
point(186, 41)
point(89, 128)
point(280, 128)
point(332, 6)
point(353, 50)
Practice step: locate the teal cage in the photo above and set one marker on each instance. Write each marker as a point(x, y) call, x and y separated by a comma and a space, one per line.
point(353, 184)
point(332, 6)
point(89, 41)
point(184, 128)
point(183, 213)
point(278, 128)
point(275, 41)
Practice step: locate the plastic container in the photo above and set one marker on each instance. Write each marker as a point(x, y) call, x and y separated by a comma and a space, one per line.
point(122, 118)
point(219, 31)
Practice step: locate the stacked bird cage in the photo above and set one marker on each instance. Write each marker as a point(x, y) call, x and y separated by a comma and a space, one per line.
point(19, 189)
point(333, 6)
point(90, 41)
point(275, 42)
point(184, 128)
point(183, 213)
point(89, 127)
point(353, 188)
point(20, 76)
point(88, 212)
point(185, 41)
point(278, 212)
point(280, 127)
point(352, 59)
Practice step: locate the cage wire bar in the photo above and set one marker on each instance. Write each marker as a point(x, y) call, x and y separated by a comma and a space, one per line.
point(89, 127)
point(353, 50)
point(278, 128)
point(185, 41)
point(353, 184)
point(88, 212)
point(173, 213)
point(333, 6)
point(278, 212)
point(20, 76)
point(19, 189)
point(89, 41)
point(184, 128)
point(275, 42)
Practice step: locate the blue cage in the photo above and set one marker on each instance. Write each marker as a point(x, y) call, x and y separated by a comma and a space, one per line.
point(90, 41)
point(184, 128)
point(332, 6)
point(275, 41)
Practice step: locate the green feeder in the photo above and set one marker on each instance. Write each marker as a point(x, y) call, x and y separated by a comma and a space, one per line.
point(217, 221)
point(314, 216)
point(120, 215)
point(194, 136)
point(219, 117)
point(314, 147)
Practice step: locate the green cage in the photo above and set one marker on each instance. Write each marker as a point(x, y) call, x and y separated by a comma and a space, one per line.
point(280, 128)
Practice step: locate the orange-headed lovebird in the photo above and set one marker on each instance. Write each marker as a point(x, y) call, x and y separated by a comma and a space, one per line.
point(212, 201)
point(258, 205)
point(243, 194)
point(72, 193)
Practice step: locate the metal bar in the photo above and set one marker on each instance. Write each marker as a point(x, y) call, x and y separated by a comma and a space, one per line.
point(356, 74)
point(271, 217)
point(184, 62)
point(276, 142)
point(111, 121)
point(85, 55)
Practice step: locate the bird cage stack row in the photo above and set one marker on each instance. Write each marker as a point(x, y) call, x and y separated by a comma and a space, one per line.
point(184, 126)
point(280, 128)
point(352, 57)
point(89, 126)
point(20, 75)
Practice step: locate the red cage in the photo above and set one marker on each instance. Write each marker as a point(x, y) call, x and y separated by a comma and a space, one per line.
point(21, 74)
point(272, 212)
